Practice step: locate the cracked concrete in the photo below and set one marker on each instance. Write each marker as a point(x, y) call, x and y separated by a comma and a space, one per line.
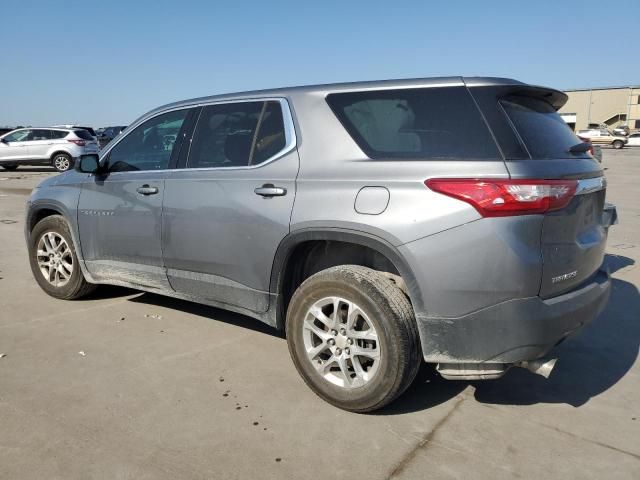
point(146, 401)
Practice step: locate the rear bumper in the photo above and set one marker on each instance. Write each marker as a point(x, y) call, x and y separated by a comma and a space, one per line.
point(514, 330)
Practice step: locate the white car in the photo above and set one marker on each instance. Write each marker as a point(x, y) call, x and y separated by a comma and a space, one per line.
point(634, 140)
point(45, 146)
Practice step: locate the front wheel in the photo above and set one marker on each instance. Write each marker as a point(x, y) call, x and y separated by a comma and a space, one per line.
point(618, 144)
point(61, 162)
point(54, 262)
point(352, 336)
point(10, 168)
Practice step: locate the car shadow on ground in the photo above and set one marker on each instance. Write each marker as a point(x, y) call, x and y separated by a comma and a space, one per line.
point(588, 364)
point(206, 311)
point(29, 170)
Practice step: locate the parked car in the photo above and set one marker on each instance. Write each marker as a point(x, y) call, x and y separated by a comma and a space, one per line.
point(634, 140)
point(594, 150)
point(603, 136)
point(108, 134)
point(45, 146)
point(352, 217)
point(622, 130)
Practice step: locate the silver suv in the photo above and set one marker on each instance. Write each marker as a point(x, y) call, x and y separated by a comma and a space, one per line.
point(452, 220)
point(45, 146)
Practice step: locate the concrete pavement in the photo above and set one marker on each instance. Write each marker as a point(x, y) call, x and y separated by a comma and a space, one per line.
point(169, 389)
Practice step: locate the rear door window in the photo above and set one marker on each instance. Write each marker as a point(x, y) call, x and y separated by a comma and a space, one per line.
point(237, 134)
point(544, 133)
point(425, 123)
point(57, 134)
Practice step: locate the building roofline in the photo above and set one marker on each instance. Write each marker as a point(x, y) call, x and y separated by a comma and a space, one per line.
point(623, 87)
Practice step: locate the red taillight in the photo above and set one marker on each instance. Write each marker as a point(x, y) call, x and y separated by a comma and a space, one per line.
point(80, 143)
point(501, 198)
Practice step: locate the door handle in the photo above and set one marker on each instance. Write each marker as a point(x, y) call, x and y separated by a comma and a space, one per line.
point(270, 190)
point(147, 190)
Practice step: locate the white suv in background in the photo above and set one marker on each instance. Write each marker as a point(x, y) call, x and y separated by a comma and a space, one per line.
point(45, 146)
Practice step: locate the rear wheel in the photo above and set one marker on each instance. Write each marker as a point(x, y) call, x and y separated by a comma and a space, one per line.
point(618, 144)
point(352, 337)
point(54, 262)
point(61, 162)
point(11, 168)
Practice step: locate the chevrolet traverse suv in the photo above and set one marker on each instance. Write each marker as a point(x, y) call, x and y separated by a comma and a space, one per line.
point(45, 146)
point(455, 221)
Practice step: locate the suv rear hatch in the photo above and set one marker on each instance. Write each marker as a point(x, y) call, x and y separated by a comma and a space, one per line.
point(573, 238)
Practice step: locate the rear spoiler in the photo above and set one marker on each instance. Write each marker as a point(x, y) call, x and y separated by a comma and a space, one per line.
point(506, 86)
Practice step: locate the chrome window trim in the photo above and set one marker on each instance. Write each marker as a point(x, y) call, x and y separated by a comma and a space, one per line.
point(291, 139)
point(590, 185)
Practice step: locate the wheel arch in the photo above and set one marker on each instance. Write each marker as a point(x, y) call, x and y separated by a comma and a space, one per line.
point(41, 209)
point(285, 261)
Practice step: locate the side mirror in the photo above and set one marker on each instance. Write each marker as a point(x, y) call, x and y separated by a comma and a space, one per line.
point(3, 140)
point(88, 164)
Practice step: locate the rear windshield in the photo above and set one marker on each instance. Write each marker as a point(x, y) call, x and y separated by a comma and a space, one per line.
point(90, 130)
point(83, 134)
point(424, 123)
point(544, 133)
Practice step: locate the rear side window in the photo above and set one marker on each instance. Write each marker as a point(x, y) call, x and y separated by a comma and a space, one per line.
point(237, 135)
point(426, 123)
point(57, 134)
point(544, 133)
point(83, 134)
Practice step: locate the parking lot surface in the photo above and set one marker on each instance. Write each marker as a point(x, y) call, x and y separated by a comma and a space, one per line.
point(134, 385)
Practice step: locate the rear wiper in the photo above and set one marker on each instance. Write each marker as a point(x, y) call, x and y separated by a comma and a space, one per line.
point(580, 148)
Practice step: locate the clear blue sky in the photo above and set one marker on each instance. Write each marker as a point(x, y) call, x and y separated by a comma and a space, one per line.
point(107, 62)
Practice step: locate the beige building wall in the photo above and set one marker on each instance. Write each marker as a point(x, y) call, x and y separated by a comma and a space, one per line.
point(613, 106)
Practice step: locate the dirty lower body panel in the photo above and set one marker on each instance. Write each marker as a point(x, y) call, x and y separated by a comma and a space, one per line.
point(515, 330)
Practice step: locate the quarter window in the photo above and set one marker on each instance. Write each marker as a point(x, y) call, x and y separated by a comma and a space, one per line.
point(425, 123)
point(148, 146)
point(237, 135)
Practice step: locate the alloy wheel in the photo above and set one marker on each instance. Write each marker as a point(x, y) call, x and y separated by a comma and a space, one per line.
point(54, 259)
point(341, 342)
point(61, 163)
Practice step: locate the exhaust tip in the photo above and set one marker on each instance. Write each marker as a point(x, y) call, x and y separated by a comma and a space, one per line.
point(540, 366)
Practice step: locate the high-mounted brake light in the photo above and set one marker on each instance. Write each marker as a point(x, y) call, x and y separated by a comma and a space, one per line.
point(80, 143)
point(502, 198)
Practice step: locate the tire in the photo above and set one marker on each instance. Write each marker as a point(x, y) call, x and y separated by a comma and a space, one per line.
point(61, 162)
point(10, 168)
point(384, 307)
point(618, 144)
point(74, 286)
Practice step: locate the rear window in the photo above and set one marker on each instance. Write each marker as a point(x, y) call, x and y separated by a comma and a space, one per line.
point(83, 134)
point(426, 123)
point(89, 129)
point(544, 133)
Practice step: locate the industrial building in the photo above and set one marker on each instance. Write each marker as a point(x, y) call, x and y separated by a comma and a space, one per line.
point(611, 106)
